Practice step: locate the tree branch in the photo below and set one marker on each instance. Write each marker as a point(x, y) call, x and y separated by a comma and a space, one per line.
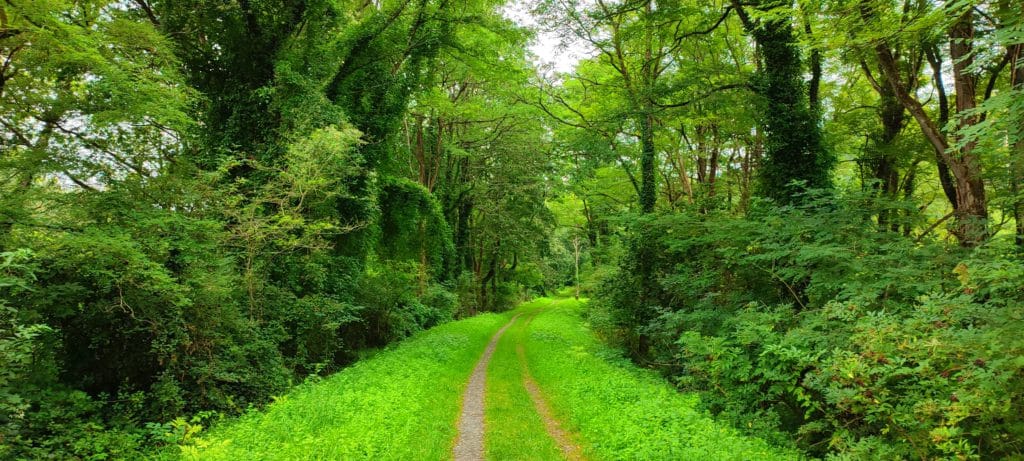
point(730, 86)
point(146, 8)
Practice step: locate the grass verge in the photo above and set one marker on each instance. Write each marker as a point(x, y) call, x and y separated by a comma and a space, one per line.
point(621, 411)
point(401, 404)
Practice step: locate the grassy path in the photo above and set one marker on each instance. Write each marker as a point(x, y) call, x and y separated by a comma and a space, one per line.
point(469, 444)
point(552, 391)
point(515, 430)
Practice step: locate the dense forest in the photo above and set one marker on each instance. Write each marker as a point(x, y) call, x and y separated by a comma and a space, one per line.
point(808, 213)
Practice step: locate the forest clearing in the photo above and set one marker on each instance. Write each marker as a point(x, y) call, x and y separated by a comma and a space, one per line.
point(503, 229)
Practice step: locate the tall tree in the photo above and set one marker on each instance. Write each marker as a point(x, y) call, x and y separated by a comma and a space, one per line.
point(795, 156)
point(956, 21)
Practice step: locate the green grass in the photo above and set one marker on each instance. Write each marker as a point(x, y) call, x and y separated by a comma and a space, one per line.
point(618, 410)
point(401, 404)
point(514, 430)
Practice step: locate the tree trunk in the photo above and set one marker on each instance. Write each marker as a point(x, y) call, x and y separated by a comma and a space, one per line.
point(1017, 155)
point(945, 178)
point(972, 210)
point(908, 194)
point(892, 114)
point(484, 302)
point(751, 158)
point(969, 200)
point(576, 250)
point(814, 84)
point(715, 152)
point(463, 246)
point(648, 192)
point(492, 273)
point(678, 161)
point(794, 151)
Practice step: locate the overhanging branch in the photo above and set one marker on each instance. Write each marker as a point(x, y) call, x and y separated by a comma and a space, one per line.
point(730, 86)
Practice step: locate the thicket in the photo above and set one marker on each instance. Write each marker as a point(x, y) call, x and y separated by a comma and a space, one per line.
point(808, 325)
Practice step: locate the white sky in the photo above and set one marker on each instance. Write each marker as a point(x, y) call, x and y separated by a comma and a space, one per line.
point(547, 46)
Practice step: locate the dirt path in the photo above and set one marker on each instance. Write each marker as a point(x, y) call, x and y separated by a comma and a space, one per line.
point(469, 444)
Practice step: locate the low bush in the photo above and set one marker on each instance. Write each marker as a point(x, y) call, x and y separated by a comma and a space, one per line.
point(810, 326)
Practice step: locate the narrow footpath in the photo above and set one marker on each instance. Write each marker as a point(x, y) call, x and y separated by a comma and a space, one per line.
point(469, 445)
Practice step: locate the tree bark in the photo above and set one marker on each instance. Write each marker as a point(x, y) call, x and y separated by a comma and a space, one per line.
point(576, 250)
point(484, 302)
point(884, 169)
point(715, 153)
point(972, 212)
point(945, 178)
point(648, 191)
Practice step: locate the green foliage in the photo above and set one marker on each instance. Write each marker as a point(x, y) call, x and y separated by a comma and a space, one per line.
point(396, 306)
point(18, 342)
point(413, 227)
point(31, 405)
point(794, 149)
point(203, 203)
point(857, 343)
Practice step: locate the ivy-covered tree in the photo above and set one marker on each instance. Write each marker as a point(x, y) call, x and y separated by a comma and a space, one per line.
point(795, 155)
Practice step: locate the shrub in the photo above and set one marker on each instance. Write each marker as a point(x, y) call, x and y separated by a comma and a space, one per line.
point(809, 325)
point(394, 306)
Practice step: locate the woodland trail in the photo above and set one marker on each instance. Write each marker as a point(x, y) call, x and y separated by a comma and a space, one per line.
point(564, 439)
point(534, 383)
point(469, 445)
